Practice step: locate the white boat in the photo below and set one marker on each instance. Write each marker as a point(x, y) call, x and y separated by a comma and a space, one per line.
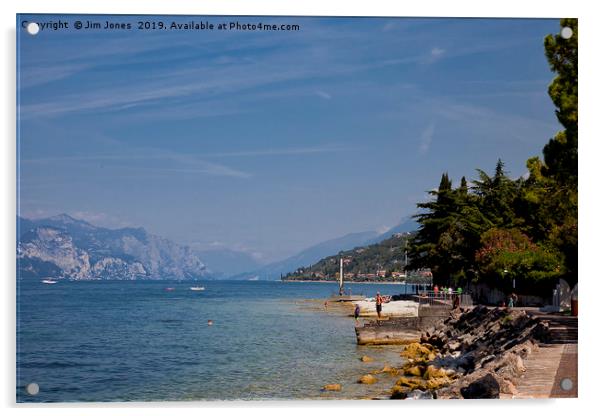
point(197, 288)
point(49, 281)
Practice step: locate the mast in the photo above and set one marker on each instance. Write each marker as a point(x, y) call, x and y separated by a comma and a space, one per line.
point(341, 277)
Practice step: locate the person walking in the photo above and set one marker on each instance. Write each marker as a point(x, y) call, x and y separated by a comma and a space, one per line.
point(356, 312)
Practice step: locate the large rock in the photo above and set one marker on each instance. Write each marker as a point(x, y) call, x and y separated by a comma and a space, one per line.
point(366, 359)
point(388, 370)
point(332, 387)
point(418, 352)
point(407, 382)
point(414, 370)
point(486, 387)
point(367, 379)
point(433, 372)
point(399, 393)
point(437, 383)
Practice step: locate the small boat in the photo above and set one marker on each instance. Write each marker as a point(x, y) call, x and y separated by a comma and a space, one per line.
point(197, 288)
point(49, 281)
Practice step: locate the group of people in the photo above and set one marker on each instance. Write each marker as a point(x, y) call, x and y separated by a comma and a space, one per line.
point(379, 307)
point(446, 290)
point(512, 300)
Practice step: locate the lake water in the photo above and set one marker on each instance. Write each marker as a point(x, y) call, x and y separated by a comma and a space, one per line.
point(135, 341)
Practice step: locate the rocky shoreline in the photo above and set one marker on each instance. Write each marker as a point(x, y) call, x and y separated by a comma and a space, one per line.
point(475, 353)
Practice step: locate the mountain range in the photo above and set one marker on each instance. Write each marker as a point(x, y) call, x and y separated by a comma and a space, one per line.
point(65, 247)
point(319, 251)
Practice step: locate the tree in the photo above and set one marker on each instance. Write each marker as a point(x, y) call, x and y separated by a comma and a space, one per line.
point(508, 254)
point(497, 196)
point(560, 154)
point(551, 197)
point(449, 233)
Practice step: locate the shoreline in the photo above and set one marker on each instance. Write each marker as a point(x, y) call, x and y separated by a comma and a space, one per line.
point(487, 353)
point(352, 283)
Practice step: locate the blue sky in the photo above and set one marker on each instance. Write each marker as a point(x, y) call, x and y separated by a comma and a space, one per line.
point(271, 142)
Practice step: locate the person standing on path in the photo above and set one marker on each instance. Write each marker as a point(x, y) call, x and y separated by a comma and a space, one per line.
point(379, 304)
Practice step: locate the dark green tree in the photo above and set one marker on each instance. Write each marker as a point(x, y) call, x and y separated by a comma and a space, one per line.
point(560, 154)
point(449, 233)
point(549, 203)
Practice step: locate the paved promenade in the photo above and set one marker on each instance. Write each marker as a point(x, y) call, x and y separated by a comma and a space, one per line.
point(551, 372)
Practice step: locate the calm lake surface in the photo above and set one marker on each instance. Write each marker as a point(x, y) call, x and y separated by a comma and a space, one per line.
point(135, 341)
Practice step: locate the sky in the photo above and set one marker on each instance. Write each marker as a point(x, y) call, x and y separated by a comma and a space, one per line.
point(270, 142)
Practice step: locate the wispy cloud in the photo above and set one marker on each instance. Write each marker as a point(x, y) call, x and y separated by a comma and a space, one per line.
point(436, 54)
point(192, 90)
point(293, 151)
point(32, 76)
point(516, 126)
point(426, 138)
point(169, 161)
point(324, 95)
point(158, 154)
point(166, 161)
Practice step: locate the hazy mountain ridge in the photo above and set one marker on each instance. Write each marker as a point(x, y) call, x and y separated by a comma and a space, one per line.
point(65, 247)
point(371, 262)
point(225, 263)
point(327, 248)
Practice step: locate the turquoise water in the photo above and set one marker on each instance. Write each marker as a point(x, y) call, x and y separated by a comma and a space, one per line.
point(134, 341)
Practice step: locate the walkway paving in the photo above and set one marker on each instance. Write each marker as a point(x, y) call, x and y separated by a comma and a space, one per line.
point(551, 371)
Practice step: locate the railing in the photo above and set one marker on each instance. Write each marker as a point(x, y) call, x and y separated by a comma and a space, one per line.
point(443, 298)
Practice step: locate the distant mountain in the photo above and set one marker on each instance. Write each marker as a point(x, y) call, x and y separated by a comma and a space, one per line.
point(65, 247)
point(310, 255)
point(225, 263)
point(376, 262)
point(332, 247)
point(407, 225)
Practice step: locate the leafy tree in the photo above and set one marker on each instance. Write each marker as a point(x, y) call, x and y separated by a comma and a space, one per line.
point(508, 254)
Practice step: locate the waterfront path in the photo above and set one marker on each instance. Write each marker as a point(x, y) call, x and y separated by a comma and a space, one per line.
point(551, 371)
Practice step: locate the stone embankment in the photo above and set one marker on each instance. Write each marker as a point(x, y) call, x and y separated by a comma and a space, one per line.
point(475, 354)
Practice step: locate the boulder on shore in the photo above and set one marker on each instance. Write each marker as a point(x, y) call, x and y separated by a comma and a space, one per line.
point(366, 359)
point(332, 387)
point(367, 379)
point(414, 370)
point(407, 382)
point(418, 352)
point(486, 387)
point(387, 370)
point(433, 372)
point(399, 393)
